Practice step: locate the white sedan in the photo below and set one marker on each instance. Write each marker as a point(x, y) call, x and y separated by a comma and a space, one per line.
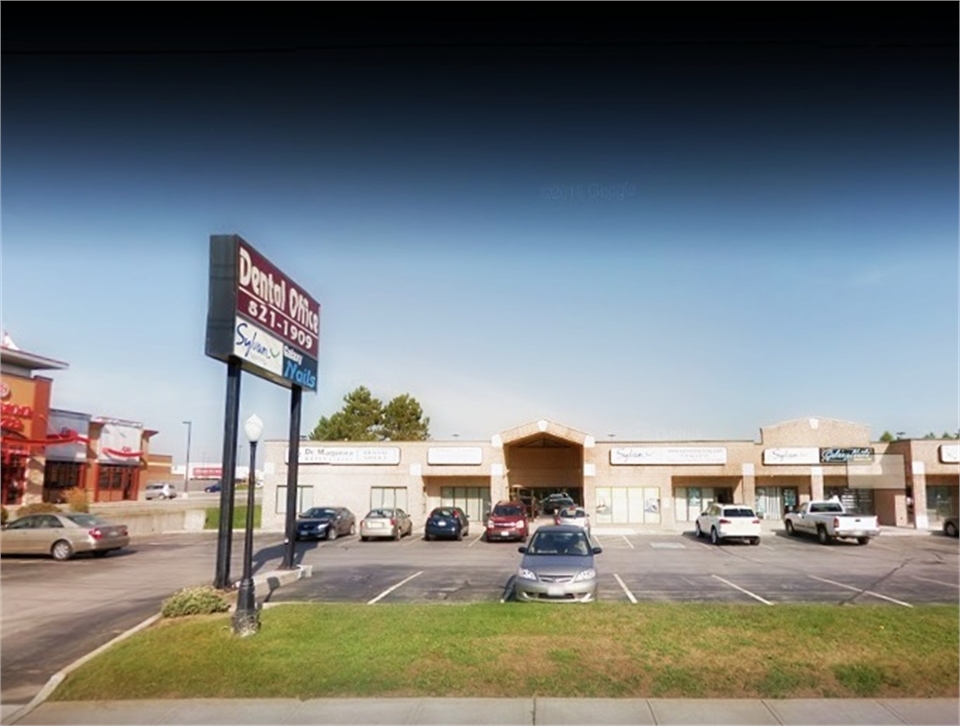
point(573, 515)
point(729, 521)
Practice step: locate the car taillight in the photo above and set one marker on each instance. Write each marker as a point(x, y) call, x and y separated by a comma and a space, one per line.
point(95, 533)
point(393, 523)
point(755, 521)
point(724, 521)
point(836, 523)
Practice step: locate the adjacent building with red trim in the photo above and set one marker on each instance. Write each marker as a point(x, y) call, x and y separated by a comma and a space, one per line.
point(46, 452)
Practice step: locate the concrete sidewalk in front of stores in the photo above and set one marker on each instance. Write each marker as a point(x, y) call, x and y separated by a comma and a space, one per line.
point(531, 711)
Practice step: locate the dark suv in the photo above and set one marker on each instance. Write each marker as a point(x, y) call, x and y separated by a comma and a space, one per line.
point(555, 502)
point(508, 520)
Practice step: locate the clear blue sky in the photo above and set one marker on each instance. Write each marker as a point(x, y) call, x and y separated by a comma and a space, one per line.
point(690, 253)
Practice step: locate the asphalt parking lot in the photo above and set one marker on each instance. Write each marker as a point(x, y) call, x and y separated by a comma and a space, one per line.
point(900, 571)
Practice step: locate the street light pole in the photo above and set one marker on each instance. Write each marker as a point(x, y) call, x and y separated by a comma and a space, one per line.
point(246, 619)
point(186, 467)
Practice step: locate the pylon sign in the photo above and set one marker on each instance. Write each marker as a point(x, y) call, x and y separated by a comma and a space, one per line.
point(260, 316)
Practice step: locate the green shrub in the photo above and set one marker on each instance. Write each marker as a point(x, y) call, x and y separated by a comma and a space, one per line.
point(77, 500)
point(203, 600)
point(37, 508)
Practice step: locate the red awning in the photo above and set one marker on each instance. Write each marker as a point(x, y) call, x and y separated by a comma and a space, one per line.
point(12, 442)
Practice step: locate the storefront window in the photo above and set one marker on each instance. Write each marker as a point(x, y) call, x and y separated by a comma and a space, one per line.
point(116, 482)
point(58, 478)
point(939, 504)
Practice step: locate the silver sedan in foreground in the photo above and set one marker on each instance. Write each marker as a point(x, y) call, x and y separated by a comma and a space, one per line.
point(557, 566)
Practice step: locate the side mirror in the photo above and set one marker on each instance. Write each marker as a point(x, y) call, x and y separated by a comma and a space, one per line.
point(597, 550)
point(522, 550)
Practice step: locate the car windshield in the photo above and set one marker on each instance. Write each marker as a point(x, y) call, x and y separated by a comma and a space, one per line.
point(508, 511)
point(559, 543)
point(85, 520)
point(318, 512)
point(380, 514)
point(738, 512)
point(573, 514)
point(445, 513)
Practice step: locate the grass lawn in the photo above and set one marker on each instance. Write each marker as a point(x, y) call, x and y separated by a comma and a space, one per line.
point(524, 650)
point(212, 520)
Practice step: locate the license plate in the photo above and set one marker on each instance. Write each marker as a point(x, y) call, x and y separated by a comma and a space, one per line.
point(441, 524)
point(376, 525)
point(554, 591)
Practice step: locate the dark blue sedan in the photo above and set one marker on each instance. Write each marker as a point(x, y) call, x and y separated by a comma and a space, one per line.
point(446, 523)
point(326, 523)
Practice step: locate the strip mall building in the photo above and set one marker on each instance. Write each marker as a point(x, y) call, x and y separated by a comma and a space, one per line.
point(647, 485)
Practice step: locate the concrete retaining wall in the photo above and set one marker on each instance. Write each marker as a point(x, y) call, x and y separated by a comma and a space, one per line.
point(155, 518)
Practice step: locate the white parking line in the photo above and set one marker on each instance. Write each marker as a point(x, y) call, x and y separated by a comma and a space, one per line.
point(865, 592)
point(391, 589)
point(745, 592)
point(624, 587)
point(936, 582)
point(629, 543)
point(475, 540)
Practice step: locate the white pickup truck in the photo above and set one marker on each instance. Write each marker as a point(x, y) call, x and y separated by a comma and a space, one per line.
point(829, 521)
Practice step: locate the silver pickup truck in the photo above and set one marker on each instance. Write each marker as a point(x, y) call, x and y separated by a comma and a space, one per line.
point(829, 521)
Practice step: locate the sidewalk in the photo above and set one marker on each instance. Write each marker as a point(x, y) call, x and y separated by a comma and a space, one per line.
point(540, 711)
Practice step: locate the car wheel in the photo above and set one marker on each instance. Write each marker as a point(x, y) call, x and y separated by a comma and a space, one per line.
point(396, 535)
point(331, 533)
point(950, 529)
point(61, 550)
point(822, 536)
point(714, 537)
point(363, 538)
point(863, 540)
point(754, 541)
point(697, 531)
point(427, 537)
point(789, 528)
point(353, 529)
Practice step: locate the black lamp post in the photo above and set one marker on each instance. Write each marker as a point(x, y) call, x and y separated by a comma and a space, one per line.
point(246, 619)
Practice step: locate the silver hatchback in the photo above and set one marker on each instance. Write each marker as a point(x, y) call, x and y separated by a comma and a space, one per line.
point(558, 566)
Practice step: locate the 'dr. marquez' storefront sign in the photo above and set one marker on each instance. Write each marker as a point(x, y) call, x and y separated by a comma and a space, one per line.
point(348, 456)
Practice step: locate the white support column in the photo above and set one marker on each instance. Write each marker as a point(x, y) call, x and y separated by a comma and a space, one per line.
point(919, 476)
point(816, 483)
point(748, 494)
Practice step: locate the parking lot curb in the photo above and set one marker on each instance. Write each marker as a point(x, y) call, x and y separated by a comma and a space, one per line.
point(57, 678)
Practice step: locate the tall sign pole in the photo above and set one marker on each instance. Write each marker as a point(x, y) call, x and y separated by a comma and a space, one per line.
point(293, 472)
point(231, 417)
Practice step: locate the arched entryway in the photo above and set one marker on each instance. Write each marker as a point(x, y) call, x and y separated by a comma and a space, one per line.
point(544, 458)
